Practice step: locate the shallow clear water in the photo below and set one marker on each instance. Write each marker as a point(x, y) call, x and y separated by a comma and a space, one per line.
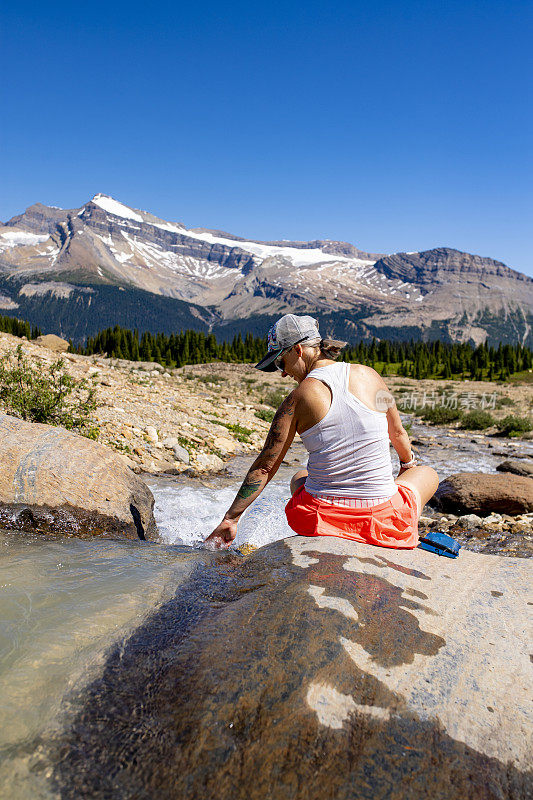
point(65, 601)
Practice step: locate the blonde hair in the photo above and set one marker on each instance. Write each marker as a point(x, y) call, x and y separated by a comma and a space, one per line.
point(329, 348)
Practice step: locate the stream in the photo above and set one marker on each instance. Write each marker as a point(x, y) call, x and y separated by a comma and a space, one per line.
point(66, 601)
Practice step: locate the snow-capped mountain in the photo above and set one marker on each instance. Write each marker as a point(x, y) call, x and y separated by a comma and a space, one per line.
point(221, 279)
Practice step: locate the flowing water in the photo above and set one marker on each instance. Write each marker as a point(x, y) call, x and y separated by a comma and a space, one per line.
point(65, 602)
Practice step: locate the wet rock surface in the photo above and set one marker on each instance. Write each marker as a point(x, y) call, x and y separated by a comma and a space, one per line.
point(315, 668)
point(53, 481)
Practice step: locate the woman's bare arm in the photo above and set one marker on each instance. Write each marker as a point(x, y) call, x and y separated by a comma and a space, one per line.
point(397, 433)
point(265, 466)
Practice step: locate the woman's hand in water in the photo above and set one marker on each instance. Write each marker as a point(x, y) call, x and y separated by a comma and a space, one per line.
point(223, 535)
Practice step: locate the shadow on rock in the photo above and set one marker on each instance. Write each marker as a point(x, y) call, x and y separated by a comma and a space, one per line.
point(209, 697)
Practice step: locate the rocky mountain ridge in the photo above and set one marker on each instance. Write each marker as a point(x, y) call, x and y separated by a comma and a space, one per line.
point(71, 265)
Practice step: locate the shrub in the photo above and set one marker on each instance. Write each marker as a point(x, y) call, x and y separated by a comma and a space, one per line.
point(510, 425)
point(210, 378)
point(241, 433)
point(504, 401)
point(189, 446)
point(477, 420)
point(265, 414)
point(46, 394)
point(274, 399)
point(440, 415)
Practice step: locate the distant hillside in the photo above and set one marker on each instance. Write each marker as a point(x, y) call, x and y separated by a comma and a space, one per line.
point(74, 272)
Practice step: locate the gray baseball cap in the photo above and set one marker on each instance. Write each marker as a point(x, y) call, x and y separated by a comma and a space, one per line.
point(284, 334)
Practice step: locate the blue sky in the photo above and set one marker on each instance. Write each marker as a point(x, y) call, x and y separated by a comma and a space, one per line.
point(392, 125)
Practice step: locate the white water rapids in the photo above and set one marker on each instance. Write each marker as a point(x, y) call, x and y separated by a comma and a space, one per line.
point(187, 514)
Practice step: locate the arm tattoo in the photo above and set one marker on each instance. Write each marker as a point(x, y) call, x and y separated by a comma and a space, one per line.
point(248, 488)
point(275, 435)
point(275, 438)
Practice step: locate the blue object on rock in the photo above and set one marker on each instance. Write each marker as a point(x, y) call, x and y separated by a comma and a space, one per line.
point(440, 543)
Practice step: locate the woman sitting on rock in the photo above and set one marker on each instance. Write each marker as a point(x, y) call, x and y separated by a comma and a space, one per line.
point(345, 416)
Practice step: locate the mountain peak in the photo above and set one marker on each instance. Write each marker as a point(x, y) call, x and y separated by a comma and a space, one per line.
point(112, 206)
point(107, 242)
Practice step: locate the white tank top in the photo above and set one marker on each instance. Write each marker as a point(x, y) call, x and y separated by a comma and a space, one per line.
point(349, 453)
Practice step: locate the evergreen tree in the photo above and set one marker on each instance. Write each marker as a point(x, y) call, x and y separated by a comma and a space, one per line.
point(416, 359)
point(156, 355)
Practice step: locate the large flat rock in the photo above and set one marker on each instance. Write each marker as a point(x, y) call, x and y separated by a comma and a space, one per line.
point(316, 668)
point(54, 481)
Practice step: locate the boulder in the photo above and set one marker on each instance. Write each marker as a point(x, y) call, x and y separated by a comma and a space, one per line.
point(209, 461)
point(54, 481)
point(315, 668)
point(181, 454)
point(53, 342)
point(517, 467)
point(151, 434)
point(225, 445)
point(170, 442)
point(481, 493)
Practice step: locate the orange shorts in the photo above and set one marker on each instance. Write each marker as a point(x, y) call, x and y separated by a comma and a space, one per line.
point(393, 523)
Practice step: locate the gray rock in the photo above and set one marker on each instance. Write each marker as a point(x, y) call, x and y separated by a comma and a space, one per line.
point(181, 454)
point(169, 442)
point(209, 461)
point(516, 467)
point(316, 669)
point(53, 481)
point(151, 434)
point(470, 519)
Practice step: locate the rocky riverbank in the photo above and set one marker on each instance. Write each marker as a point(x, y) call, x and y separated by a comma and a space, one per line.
point(194, 419)
point(170, 421)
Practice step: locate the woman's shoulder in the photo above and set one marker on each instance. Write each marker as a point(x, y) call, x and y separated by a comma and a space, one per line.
point(363, 371)
point(367, 385)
